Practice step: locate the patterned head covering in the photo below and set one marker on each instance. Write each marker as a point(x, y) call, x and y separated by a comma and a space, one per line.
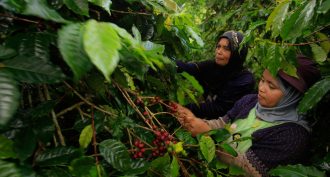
point(237, 57)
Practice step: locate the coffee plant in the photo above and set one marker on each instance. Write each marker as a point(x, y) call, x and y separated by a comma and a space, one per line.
point(87, 86)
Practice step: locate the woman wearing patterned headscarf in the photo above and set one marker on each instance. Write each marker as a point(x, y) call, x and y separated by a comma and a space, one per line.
point(278, 134)
point(224, 78)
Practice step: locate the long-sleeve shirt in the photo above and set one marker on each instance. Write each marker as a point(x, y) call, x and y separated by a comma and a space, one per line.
point(222, 87)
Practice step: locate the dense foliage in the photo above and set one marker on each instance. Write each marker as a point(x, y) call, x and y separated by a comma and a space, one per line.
point(86, 85)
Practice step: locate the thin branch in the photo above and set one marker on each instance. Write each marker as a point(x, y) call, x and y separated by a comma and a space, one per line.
point(307, 43)
point(130, 101)
point(19, 19)
point(69, 109)
point(54, 118)
point(130, 12)
point(94, 142)
point(88, 102)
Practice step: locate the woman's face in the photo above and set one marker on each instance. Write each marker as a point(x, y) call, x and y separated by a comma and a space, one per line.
point(269, 92)
point(222, 52)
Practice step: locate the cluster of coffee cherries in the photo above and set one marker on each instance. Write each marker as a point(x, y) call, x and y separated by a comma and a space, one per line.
point(161, 142)
point(139, 150)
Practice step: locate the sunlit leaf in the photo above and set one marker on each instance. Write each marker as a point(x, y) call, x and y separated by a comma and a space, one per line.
point(86, 136)
point(77, 6)
point(71, 47)
point(296, 170)
point(102, 43)
point(105, 4)
point(40, 9)
point(9, 96)
point(276, 18)
point(298, 21)
point(6, 148)
point(207, 148)
point(314, 95)
point(34, 70)
point(319, 54)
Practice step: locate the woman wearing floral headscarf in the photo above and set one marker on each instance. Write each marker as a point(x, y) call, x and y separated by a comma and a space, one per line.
point(224, 78)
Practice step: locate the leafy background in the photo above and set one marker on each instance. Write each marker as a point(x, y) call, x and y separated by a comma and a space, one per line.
point(86, 85)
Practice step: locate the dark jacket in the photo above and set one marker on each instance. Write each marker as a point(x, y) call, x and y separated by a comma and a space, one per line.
point(281, 144)
point(223, 86)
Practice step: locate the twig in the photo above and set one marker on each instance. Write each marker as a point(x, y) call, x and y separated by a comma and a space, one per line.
point(94, 142)
point(130, 101)
point(184, 169)
point(88, 102)
point(307, 43)
point(17, 18)
point(69, 109)
point(127, 12)
point(54, 118)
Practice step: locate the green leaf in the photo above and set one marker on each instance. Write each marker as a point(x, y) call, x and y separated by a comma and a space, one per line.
point(78, 6)
point(116, 154)
point(33, 70)
point(102, 43)
point(276, 18)
point(6, 148)
point(195, 36)
point(57, 156)
point(207, 148)
point(54, 172)
point(161, 165)
point(185, 136)
point(40, 9)
point(193, 81)
point(219, 135)
point(84, 167)
point(229, 149)
point(298, 21)
point(105, 4)
point(319, 54)
point(209, 173)
point(25, 143)
point(136, 33)
point(314, 95)
point(86, 136)
point(296, 171)
point(272, 59)
point(325, 44)
point(34, 45)
point(9, 96)
point(13, 5)
point(6, 52)
point(70, 43)
point(8, 169)
point(324, 7)
point(175, 167)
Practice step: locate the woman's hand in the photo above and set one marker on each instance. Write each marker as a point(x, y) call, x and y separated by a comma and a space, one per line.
point(190, 122)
